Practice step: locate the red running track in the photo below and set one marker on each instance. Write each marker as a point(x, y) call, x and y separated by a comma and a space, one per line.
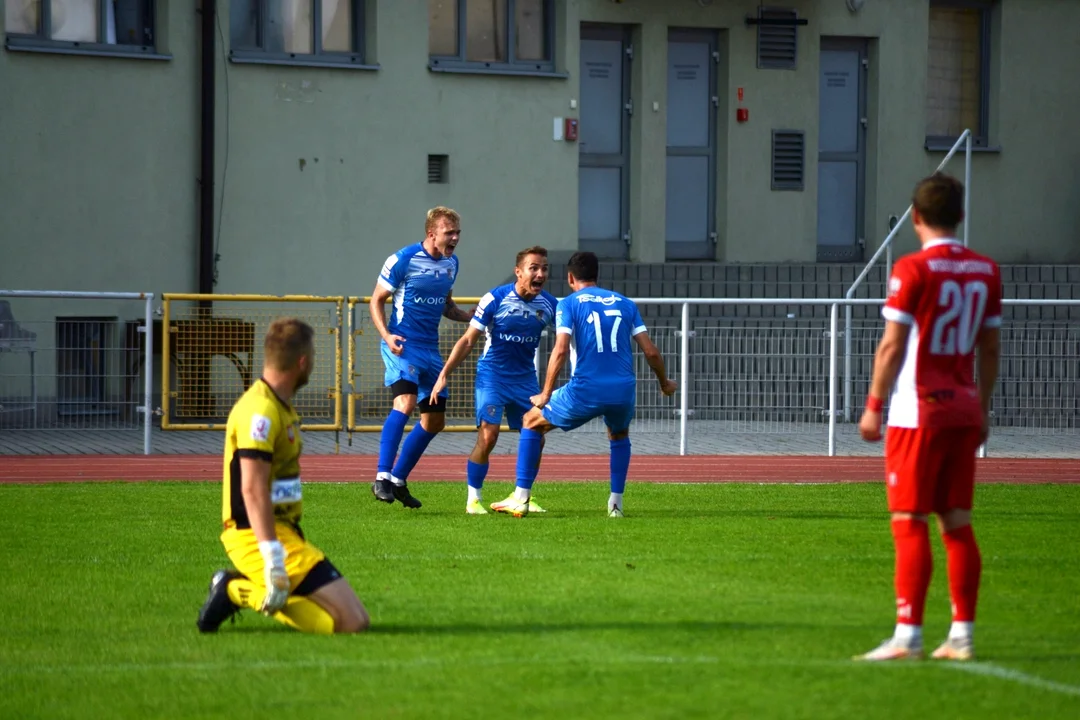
point(643, 468)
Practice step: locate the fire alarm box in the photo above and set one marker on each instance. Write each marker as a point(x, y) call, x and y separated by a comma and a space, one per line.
point(742, 114)
point(570, 131)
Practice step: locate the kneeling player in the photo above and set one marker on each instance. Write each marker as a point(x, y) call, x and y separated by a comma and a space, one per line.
point(512, 317)
point(278, 572)
point(599, 324)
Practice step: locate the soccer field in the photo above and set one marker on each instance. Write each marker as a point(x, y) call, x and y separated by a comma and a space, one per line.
point(705, 601)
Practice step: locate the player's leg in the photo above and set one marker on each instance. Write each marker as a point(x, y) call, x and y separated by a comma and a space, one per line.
point(530, 449)
point(618, 424)
point(335, 597)
point(911, 471)
point(427, 364)
point(963, 559)
point(402, 378)
point(476, 468)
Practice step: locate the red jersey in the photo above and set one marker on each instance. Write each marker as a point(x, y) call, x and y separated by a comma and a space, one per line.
point(948, 294)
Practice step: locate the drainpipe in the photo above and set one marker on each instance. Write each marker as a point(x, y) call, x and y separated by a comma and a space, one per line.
point(206, 137)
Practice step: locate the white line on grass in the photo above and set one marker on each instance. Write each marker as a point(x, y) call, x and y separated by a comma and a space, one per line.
point(981, 668)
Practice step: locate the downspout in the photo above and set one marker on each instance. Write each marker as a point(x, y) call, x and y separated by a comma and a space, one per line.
point(206, 141)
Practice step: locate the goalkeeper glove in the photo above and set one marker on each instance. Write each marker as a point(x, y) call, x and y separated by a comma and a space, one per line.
point(277, 580)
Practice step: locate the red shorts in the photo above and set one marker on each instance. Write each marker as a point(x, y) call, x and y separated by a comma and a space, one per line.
point(930, 470)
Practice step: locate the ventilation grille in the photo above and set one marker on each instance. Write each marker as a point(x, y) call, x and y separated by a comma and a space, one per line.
point(788, 159)
point(438, 168)
point(777, 45)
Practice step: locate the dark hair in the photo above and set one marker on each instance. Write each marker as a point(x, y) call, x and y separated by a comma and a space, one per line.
point(287, 339)
point(939, 199)
point(534, 250)
point(584, 266)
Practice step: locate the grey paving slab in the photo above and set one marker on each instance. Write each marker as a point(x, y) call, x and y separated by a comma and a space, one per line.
point(704, 438)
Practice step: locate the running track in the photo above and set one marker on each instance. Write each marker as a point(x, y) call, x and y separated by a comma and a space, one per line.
point(643, 468)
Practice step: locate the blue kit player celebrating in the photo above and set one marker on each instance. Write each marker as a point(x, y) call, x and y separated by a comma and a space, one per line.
point(594, 326)
point(511, 317)
point(419, 279)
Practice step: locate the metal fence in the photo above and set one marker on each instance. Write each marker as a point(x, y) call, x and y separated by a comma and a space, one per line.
point(212, 350)
point(74, 360)
point(771, 380)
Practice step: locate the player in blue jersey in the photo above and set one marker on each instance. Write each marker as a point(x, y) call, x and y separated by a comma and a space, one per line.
point(420, 280)
point(594, 326)
point(511, 317)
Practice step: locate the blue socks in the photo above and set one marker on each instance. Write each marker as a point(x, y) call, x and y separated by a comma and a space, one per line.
point(476, 474)
point(620, 464)
point(390, 439)
point(414, 447)
point(528, 460)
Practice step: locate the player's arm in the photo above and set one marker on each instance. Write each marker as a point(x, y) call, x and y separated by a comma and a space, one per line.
point(461, 350)
point(453, 312)
point(656, 362)
point(256, 455)
point(887, 361)
point(377, 308)
point(556, 362)
point(988, 352)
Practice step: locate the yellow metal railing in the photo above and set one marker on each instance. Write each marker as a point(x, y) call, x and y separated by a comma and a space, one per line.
point(213, 344)
point(370, 400)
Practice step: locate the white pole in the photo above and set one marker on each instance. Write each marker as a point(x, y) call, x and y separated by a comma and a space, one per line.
point(684, 376)
point(967, 189)
point(847, 363)
point(833, 312)
point(148, 373)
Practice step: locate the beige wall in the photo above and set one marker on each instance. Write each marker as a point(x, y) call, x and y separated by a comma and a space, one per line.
point(326, 168)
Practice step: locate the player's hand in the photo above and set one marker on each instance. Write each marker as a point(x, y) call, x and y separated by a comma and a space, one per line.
point(540, 400)
point(439, 386)
point(396, 343)
point(870, 426)
point(668, 387)
point(277, 580)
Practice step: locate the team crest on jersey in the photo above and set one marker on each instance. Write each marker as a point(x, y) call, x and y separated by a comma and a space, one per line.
point(491, 410)
point(291, 434)
point(540, 315)
point(260, 428)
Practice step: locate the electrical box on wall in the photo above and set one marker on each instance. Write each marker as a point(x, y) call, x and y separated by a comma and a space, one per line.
point(570, 131)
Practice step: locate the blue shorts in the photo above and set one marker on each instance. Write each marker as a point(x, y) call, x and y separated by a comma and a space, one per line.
point(416, 364)
point(570, 409)
point(515, 400)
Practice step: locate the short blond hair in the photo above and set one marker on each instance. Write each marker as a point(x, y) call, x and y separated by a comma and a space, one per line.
point(287, 340)
point(438, 213)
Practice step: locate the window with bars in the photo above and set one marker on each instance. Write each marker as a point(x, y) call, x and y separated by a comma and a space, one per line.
point(295, 32)
point(103, 27)
point(957, 75)
point(509, 36)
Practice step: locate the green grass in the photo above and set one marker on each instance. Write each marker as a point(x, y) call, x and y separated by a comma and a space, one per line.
point(706, 601)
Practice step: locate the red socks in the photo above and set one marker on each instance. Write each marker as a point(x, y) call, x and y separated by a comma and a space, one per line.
point(914, 563)
point(965, 569)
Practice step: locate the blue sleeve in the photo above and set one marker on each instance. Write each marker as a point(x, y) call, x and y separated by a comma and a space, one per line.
point(393, 271)
point(484, 315)
point(639, 324)
point(564, 321)
point(554, 304)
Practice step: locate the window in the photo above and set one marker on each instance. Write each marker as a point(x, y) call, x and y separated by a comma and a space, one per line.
point(93, 27)
point(511, 36)
point(958, 63)
point(297, 32)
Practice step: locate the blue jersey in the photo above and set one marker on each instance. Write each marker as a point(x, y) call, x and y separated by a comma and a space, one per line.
point(601, 325)
point(420, 285)
point(513, 328)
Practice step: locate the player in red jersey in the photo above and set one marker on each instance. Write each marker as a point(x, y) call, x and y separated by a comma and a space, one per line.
point(944, 304)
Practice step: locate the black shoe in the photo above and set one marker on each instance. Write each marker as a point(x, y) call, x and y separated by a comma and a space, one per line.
point(383, 490)
point(218, 607)
point(402, 494)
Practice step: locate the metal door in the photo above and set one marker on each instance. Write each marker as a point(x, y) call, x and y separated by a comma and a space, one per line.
point(841, 150)
point(604, 141)
point(690, 219)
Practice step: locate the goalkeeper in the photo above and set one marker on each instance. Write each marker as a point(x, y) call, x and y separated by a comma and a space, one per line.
point(281, 574)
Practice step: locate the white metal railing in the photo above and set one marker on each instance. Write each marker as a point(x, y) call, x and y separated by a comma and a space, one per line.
point(886, 247)
point(24, 343)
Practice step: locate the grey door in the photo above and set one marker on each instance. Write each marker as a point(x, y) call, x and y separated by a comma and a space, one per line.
point(691, 145)
point(841, 150)
point(604, 141)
